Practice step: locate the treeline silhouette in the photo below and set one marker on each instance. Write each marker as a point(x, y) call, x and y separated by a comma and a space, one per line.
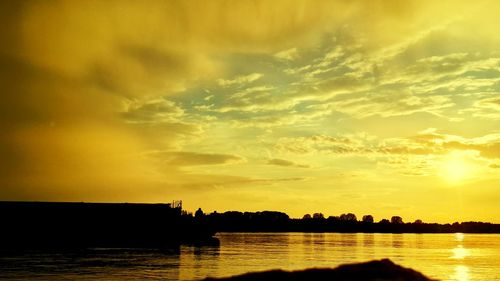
point(272, 221)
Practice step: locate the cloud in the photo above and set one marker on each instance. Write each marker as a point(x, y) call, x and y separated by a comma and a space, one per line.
point(290, 54)
point(391, 104)
point(216, 182)
point(346, 72)
point(286, 163)
point(342, 75)
point(428, 143)
point(183, 158)
point(488, 108)
point(240, 80)
point(155, 111)
point(488, 146)
point(426, 154)
point(450, 63)
point(91, 88)
point(493, 102)
point(255, 99)
point(488, 150)
point(318, 144)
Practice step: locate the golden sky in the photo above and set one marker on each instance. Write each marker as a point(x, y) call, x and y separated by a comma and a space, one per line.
point(372, 107)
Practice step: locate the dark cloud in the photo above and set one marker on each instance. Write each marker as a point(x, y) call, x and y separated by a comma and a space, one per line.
point(153, 111)
point(286, 163)
point(183, 158)
point(488, 150)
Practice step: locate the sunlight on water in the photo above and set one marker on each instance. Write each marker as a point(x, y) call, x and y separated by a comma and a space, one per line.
point(459, 236)
point(459, 252)
point(445, 257)
point(461, 273)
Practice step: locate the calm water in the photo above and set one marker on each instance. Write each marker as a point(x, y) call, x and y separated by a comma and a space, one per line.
point(444, 256)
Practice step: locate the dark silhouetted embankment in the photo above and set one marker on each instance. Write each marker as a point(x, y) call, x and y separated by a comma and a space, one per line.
point(380, 270)
point(80, 225)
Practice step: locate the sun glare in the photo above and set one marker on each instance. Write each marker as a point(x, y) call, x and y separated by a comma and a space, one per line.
point(456, 168)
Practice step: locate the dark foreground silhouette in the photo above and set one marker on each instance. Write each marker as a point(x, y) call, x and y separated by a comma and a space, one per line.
point(379, 270)
point(54, 225)
point(86, 225)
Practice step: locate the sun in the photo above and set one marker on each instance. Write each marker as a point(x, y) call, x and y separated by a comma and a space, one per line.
point(456, 168)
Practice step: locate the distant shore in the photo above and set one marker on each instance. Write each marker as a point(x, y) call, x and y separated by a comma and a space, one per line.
point(271, 221)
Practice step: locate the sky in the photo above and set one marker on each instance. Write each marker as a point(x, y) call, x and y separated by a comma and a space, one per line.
point(370, 107)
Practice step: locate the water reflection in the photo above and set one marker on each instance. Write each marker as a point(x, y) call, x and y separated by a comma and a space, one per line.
point(348, 240)
point(307, 238)
point(95, 264)
point(459, 252)
point(368, 252)
point(198, 259)
point(447, 257)
point(461, 273)
point(419, 240)
point(319, 240)
point(368, 240)
point(459, 236)
point(397, 240)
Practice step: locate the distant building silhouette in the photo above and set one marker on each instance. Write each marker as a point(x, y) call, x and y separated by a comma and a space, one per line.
point(177, 204)
point(81, 225)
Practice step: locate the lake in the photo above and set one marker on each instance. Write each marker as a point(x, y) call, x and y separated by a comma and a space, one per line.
point(458, 257)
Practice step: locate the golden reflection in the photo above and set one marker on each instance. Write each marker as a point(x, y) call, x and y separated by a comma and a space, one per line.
point(461, 273)
point(459, 253)
point(459, 236)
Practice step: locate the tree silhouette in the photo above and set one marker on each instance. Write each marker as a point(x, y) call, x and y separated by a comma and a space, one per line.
point(348, 217)
point(396, 220)
point(368, 218)
point(333, 218)
point(318, 216)
point(307, 217)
